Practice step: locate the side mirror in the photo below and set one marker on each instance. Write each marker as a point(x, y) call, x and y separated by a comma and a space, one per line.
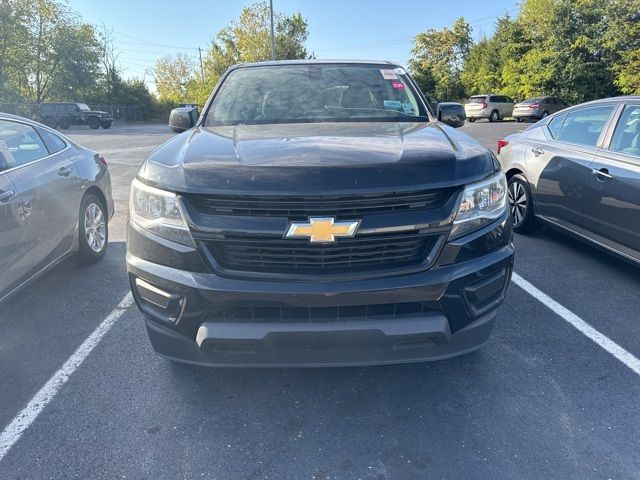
point(452, 114)
point(182, 119)
point(3, 163)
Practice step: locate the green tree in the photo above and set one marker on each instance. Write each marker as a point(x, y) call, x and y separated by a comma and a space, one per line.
point(173, 75)
point(248, 39)
point(438, 60)
point(13, 39)
point(621, 40)
point(59, 49)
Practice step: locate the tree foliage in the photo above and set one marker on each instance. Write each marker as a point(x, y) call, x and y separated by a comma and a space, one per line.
point(574, 49)
point(47, 53)
point(439, 57)
point(173, 74)
point(248, 39)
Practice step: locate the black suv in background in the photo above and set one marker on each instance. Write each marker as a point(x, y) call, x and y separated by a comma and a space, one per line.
point(63, 115)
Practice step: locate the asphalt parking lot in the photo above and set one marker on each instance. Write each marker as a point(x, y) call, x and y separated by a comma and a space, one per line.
point(540, 400)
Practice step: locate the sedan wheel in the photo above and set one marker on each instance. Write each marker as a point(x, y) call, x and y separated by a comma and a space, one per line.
point(517, 203)
point(94, 232)
point(521, 205)
point(94, 227)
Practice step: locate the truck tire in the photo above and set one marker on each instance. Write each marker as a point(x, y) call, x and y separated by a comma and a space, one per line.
point(50, 122)
point(93, 122)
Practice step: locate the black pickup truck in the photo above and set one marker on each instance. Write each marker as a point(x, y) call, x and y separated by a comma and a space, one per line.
point(63, 115)
point(317, 213)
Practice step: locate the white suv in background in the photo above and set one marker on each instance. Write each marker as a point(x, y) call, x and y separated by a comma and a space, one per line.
point(491, 106)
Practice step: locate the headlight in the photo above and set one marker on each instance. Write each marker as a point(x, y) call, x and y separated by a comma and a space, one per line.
point(158, 212)
point(481, 204)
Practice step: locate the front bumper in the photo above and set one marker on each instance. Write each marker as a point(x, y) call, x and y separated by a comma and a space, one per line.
point(184, 306)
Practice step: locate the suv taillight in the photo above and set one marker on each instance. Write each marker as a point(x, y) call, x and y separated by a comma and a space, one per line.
point(484, 105)
point(102, 160)
point(502, 143)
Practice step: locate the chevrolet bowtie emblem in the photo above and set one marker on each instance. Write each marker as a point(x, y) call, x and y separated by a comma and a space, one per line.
point(322, 230)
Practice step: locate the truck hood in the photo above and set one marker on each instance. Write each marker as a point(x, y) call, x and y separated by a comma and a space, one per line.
point(317, 158)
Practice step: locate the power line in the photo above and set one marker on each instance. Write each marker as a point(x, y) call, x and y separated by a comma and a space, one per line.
point(148, 42)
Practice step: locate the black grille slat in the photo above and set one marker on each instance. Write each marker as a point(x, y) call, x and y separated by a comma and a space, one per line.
point(264, 205)
point(277, 255)
point(322, 314)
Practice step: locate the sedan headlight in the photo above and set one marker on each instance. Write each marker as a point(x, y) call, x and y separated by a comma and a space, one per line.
point(158, 212)
point(481, 203)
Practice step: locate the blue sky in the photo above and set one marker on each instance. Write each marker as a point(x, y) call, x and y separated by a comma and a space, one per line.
point(145, 30)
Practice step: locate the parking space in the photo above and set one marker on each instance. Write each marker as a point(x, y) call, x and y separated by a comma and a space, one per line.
point(540, 400)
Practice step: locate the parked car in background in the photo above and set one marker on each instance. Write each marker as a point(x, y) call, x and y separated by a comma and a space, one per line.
point(451, 113)
point(63, 115)
point(490, 106)
point(317, 214)
point(537, 108)
point(579, 171)
point(55, 201)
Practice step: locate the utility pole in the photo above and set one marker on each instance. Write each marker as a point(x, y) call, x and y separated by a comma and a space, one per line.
point(201, 68)
point(273, 38)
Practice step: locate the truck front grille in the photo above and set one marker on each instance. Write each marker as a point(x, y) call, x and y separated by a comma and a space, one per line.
point(329, 205)
point(269, 254)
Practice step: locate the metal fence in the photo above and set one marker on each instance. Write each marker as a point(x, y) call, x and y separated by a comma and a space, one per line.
point(124, 113)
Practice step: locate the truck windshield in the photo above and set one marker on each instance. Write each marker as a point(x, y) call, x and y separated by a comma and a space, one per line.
point(315, 93)
point(83, 107)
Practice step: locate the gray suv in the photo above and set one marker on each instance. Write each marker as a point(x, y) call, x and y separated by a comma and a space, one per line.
point(55, 201)
point(490, 106)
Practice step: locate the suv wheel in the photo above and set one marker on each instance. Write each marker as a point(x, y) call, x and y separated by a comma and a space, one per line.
point(471, 119)
point(106, 124)
point(521, 205)
point(64, 124)
point(495, 116)
point(50, 122)
point(93, 122)
point(93, 230)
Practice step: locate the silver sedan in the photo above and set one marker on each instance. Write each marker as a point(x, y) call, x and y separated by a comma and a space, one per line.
point(55, 202)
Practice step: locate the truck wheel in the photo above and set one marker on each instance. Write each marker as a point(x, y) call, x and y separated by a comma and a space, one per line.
point(50, 122)
point(93, 122)
point(105, 125)
point(93, 230)
point(64, 124)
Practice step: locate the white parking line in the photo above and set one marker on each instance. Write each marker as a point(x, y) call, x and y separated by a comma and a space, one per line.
point(605, 342)
point(12, 432)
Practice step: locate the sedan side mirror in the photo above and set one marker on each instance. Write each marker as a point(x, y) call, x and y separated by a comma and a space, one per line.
point(3, 162)
point(182, 119)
